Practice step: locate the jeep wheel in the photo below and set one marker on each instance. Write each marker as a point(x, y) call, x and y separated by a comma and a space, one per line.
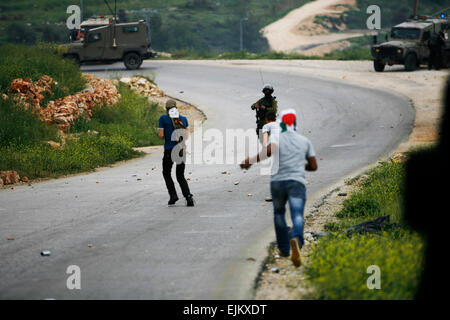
point(378, 66)
point(132, 61)
point(410, 62)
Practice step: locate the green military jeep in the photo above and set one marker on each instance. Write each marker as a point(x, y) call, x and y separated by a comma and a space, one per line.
point(407, 44)
point(127, 42)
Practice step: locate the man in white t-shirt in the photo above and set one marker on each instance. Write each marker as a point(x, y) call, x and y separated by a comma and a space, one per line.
point(293, 155)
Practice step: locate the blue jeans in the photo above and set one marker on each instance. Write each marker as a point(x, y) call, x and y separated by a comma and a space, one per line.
point(295, 193)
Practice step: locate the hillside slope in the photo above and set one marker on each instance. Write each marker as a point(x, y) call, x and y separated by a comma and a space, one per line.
point(320, 26)
point(212, 25)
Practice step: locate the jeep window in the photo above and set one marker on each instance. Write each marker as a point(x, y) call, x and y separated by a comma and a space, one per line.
point(94, 37)
point(130, 29)
point(405, 33)
point(426, 36)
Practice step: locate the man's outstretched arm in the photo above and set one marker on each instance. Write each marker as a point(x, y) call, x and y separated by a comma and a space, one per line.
point(263, 155)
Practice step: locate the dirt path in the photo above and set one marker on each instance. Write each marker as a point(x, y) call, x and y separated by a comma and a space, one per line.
point(297, 32)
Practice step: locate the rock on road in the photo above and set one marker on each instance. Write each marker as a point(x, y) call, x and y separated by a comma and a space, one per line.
point(130, 245)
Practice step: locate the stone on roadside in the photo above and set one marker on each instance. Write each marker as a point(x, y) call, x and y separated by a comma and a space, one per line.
point(54, 145)
point(9, 177)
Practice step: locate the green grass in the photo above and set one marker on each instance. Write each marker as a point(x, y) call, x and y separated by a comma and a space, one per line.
point(338, 264)
point(23, 136)
point(79, 155)
point(133, 118)
point(20, 61)
point(352, 53)
point(22, 127)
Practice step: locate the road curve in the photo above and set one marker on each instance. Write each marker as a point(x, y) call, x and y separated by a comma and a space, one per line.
point(130, 245)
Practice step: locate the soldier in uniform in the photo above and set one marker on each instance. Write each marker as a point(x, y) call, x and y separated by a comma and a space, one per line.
point(263, 106)
point(436, 45)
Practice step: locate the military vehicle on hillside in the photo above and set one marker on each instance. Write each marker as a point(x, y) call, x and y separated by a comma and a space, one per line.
point(127, 42)
point(407, 44)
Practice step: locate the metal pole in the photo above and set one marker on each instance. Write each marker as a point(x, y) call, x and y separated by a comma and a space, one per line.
point(242, 33)
point(148, 26)
point(81, 3)
point(416, 8)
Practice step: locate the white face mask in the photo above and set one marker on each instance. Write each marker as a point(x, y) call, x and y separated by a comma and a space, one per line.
point(173, 113)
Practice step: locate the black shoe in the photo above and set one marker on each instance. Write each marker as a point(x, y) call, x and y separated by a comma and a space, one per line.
point(190, 201)
point(172, 200)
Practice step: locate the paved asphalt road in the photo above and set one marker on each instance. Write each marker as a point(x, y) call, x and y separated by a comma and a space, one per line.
point(141, 249)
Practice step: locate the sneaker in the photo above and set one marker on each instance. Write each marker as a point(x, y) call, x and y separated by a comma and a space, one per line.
point(190, 201)
point(295, 256)
point(284, 255)
point(172, 200)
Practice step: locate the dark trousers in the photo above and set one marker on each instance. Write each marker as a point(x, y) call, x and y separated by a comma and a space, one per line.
point(167, 173)
point(435, 59)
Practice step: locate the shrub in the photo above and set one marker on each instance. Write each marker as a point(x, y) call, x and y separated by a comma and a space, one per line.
point(338, 266)
point(22, 127)
point(133, 117)
point(20, 61)
point(79, 155)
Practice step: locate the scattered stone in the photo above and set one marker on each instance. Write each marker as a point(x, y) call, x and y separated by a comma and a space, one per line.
point(9, 177)
point(90, 245)
point(342, 194)
point(400, 157)
point(275, 270)
point(54, 145)
point(45, 253)
point(236, 183)
point(224, 172)
point(25, 179)
point(11, 239)
point(64, 111)
point(251, 259)
point(277, 256)
point(268, 199)
point(250, 195)
point(143, 86)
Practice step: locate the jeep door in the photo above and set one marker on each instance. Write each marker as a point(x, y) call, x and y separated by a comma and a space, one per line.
point(95, 44)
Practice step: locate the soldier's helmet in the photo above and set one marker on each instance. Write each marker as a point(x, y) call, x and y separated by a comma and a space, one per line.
point(268, 87)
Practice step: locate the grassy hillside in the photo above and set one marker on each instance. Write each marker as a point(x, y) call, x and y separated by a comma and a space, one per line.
point(211, 25)
point(392, 12)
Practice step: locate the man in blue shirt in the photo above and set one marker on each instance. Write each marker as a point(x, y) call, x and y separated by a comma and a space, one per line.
point(173, 129)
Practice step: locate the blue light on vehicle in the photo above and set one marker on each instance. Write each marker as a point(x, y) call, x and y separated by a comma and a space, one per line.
point(443, 15)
